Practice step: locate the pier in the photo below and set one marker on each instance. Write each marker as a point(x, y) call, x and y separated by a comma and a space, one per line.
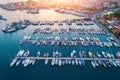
point(64, 41)
point(67, 58)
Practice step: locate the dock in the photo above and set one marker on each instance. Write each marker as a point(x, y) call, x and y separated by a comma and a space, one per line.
point(67, 58)
point(64, 41)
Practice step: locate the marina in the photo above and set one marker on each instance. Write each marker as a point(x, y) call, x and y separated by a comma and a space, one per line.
point(103, 58)
point(37, 42)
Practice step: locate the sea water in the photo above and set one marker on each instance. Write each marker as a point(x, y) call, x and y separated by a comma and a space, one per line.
point(9, 46)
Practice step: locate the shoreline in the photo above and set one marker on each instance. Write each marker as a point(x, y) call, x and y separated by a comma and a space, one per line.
point(35, 7)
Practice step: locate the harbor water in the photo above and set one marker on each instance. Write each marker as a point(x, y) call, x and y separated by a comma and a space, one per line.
point(9, 46)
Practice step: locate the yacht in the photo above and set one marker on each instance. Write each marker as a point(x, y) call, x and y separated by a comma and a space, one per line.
point(38, 43)
point(18, 62)
point(20, 53)
point(60, 62)
point(83, 62)
point(52, 43)
point(73, 62)
point(26, 62)
point(26, 54)
point(33, 61)
point(93, 64)
point(76, 61)
point(33, 42)
point(53, 62)
point(13, 62)
point(118, 54)
point(69, 61)
point(79, 62)
point(38, 54)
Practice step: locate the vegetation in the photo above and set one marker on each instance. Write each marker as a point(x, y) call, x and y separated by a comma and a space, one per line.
point(109, 16)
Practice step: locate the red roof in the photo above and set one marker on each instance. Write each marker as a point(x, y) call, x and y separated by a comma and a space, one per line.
point(117, 30)
point(114, 18)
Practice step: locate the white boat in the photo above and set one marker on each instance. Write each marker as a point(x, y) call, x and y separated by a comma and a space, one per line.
point(33, 62)
point(66, 61)
point(60, 62)
point(26, 54)
point(26, 63)
point(20, 53)
point(69, 61)
point(38, 43)
point(52, 43)
point(115, 44)
point(93, 64)
point(38, 54)
point(56, 61)
point(18, 62)
point(46, 61)
point(79, 62)
point(53, 62)
point(73, 62)
point(37, 38)
point(114, 63)
point(33, 42)
point(118, 63)
point(104, 54)
point(76, 61)
point(99, 55)
point(13, 62)
point(118, 54)
point(8, 30)
point(63, 62)
point(96, 63)
point(26, 37)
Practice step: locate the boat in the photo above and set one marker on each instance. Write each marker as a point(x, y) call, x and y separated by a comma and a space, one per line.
point(73, 62)
point(52, 43)
point(114, 63)
point(104, 63)
point(38, 54)
point(79, 62)
point(99, 55)
point(93, 64)
point(18, 62)
point(33, 42)
point(26, 62)
point(26, 37)
point(66, 61)
point(76, 61)
point(115, 44)
point(118, 63)
point(32, 61)
point(21, 42)
point(13, 62)
point(37, 38)
point(53, 62)
point(26, 54)
point(104, 54)
point(59, 62)
point(83, 62)
point(20, 53)
point(38, 43)
point(62, 62)
point(8, 30)
point(118, 55)
point(90, 54)
point(69, 61)
point(56, 61)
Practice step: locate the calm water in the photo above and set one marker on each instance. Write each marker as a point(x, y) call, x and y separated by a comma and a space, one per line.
point(9, 45)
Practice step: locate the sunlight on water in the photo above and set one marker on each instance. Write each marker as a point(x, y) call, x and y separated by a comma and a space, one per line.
point(9, 1)
point(44, 15)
